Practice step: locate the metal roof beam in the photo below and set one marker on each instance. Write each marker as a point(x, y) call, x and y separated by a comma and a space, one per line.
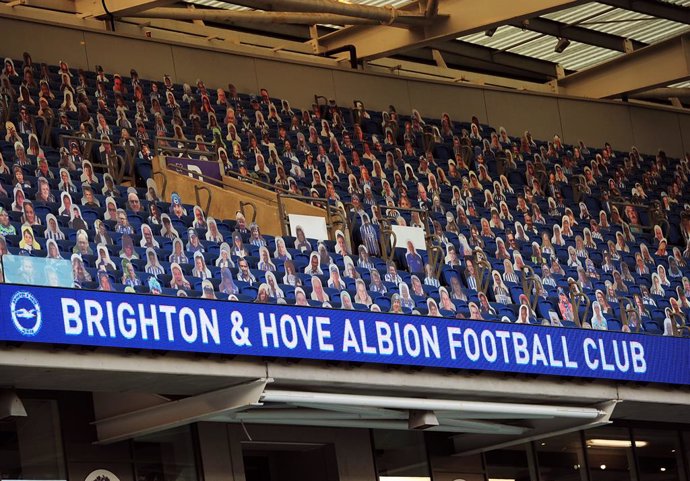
point(57, 5)
point(231, 16)
point(379, 14)
point(231, 35)
point(498, 57)
point(255, 4)
point(179, 413)
point(463, 65)
point(663, 93)
point(656, 65)
point(297, 33)
point(669, 11)
point(421, 67)
point(461, 17)
point(578, 34)
point(117, 8)
point(366, 424)
point(431, 9)
point(425, 404)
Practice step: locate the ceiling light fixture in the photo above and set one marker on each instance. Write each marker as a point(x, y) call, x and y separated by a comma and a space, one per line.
point(490, 32)
point(614, 443)
point(561, 45)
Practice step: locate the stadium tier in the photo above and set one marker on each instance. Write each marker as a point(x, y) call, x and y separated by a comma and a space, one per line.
point(229, 254)
point(570, 219)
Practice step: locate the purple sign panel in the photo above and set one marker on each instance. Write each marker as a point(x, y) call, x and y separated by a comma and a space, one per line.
point(202, 170)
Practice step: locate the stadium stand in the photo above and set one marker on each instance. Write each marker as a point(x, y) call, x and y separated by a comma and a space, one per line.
point(530, 231)
point(344, 240)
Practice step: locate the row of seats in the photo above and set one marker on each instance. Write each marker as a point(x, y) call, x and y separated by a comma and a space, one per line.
point(487, 197)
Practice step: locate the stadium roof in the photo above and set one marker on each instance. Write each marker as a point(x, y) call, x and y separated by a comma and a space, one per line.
point(534, 40)
point(575, 43)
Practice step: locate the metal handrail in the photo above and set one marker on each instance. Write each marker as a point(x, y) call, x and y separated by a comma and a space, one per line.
point(388, 240)
point(6, 111)
point(501, 161)
point(651, 212)
point(467, 154)
point(529, 283)
point(328, 207)
point(577, 298)
point(244, 204)
point(627, 310)
point(428, 237)
point(87, 152)
point(576, 182)
point(182, 150)
point(165, 181)
point(540, 175)
point(339, 218)
point(304, 198)
point(213, 154)
point(188, 149)
point(195, 174)
point(158, 137)
point(678, 327)
point(197, 189)
point(47, 129)
point(222, 183)
point(482, 270)
point(424, 214)
point(435, 256)
point(260, 183)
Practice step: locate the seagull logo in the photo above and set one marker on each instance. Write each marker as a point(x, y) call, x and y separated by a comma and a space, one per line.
point(26, 313)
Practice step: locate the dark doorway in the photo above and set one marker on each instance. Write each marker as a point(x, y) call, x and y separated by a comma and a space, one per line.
point(289, 462)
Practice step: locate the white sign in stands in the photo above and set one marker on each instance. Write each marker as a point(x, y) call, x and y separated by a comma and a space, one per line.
point(314, 227)
point(404, 234)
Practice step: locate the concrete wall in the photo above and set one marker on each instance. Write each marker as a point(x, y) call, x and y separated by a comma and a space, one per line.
point(649, 128)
